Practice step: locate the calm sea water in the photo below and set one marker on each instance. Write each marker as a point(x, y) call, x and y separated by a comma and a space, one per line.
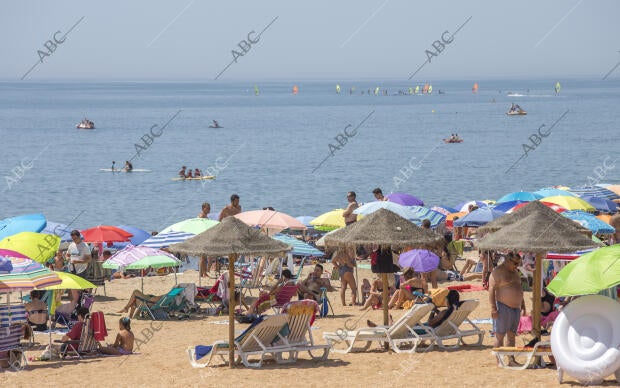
point(271, 144)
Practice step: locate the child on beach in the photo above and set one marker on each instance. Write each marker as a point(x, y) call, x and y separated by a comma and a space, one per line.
point(124, 339)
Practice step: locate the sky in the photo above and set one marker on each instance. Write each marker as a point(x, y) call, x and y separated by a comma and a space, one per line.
point(376, 39)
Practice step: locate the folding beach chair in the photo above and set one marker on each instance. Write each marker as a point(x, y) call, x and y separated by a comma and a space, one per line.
point(257, 340)
point(408, 330)
point(86, 345)
point(12, 317)
point(450, 328)
point(284, 296)
point(161, 309)
point(86, 300)
point(300, 316)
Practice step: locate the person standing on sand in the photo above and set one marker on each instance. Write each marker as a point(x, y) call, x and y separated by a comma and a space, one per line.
point(78, 254)
point(231, 209)
point(205, 264)
point(349, 216)
point(506, 298)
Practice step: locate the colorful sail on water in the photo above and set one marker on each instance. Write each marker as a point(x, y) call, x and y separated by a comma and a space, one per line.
point(417, 89)
point(376, 91)
point(410, 90)
point(338, 88)
point(475, 88)
point(295, 89)
point(557, 88)
point(256, 91)
point(430, 89)
point(425, 88)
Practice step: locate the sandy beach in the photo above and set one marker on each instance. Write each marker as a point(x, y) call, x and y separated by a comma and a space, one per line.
point(162, 358)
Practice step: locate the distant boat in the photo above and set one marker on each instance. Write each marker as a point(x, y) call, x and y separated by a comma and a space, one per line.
point(475, 88)
point(338, 88)
point(295, 89)
point(256, 91)
point(558, 87)
point(85, 124)
point(516, 110)
point(457, 140)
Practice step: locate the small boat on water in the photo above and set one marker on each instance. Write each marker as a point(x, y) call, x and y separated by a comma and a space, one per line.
point(85, 124)
point(516, 110)
point(215, 125)
point(453, 140)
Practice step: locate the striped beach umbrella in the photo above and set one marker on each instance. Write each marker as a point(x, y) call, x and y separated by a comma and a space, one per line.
point(26, 275)
point(424, 213)
point(595, 191)
point(589, 221)
point(300, 248)
point(164, 240)
point(132, 254)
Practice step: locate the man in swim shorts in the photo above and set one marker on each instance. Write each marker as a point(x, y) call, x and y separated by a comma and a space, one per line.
point(506, 299)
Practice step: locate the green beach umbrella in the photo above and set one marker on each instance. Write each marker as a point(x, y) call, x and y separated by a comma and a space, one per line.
point(156, 261)
point(191, 225)
point(589, 274)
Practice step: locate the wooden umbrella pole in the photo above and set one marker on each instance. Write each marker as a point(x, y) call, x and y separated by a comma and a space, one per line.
point(384, 280)
point(231, 309)
point(536, 295)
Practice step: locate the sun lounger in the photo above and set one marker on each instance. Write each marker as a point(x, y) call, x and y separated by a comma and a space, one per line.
point(407, 330)
point(450, 328)
point(257, 340)
point(539, 350)
point(300, 316)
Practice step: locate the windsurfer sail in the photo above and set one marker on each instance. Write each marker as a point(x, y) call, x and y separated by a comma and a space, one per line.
point(430, 89)
point(425, 88)
point(256, 91)
point(295, 89)
point(417, 89)
point(557, 88)
point(475, 88)
point(338, 88)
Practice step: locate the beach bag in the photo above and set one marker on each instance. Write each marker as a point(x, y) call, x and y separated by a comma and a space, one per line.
point(525, 324)
point(324, 306)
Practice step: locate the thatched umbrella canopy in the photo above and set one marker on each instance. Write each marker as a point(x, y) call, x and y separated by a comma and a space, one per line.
point(232, 237)
point(519, 214)
point(388, 230)
point(539, 232)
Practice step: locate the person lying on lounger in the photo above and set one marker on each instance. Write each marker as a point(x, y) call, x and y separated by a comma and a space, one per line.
point(132, 305)
point(124, 339)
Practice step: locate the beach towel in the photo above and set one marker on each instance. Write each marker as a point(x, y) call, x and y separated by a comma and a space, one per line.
point(98, 324)
point(203, 350)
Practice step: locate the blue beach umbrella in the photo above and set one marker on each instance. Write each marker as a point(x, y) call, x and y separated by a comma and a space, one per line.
point(372, 207)
point(424, 213)
point(24, 223)
point(589, 221)
point(595, 191)
point(505, 206)
point(602, 205)
point(300, 248)
point(479, 217)
point(553, 192)
point(306, 220)
point(61, 230)
point(525, 196)
point(139, 235)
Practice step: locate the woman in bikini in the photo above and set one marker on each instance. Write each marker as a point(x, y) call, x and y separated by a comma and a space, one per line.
point(405, 292)
point(345, 264)
point(375, 295)
point(124, 339)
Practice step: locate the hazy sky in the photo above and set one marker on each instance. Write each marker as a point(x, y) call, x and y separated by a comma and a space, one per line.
point(193, 39)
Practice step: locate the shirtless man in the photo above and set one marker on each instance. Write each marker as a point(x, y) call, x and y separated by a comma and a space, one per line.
point(349, 216)
point(506, 299)
point(182, 172)
point(379, 195)
point(205, 263)
point(232, 209)
point(310, 288)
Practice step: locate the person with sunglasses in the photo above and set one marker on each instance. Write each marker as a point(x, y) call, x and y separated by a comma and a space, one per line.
point(506, 299)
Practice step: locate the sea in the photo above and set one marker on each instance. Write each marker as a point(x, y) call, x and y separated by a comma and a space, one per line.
point(298, 153)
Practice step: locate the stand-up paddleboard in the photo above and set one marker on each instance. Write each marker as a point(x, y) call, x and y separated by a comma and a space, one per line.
point(213, 126)
point(123, 170)
point(202, 178)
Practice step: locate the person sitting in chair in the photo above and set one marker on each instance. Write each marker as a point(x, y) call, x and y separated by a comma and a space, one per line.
point(37, 311)
point(263, 301)
point(310, 288)
point(75, 334)
point(132, 304)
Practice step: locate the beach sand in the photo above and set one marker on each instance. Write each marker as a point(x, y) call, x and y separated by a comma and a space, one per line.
point(163, 360)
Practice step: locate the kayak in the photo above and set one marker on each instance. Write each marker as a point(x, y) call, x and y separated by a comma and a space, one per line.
point(202, 178)
point(123, 170)
point(452, 141)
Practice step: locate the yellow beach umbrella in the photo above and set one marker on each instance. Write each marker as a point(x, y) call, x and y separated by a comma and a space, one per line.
point(329, 221)
point(37, 246)
point(570, 203)
point(70, 282)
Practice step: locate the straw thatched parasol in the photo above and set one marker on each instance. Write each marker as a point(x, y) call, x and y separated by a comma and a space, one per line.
point(538, 231)
point(232, 237)
point(388, 230)
point(519, 214)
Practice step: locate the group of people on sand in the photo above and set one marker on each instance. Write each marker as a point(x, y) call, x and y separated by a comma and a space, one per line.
point(187, 173)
